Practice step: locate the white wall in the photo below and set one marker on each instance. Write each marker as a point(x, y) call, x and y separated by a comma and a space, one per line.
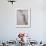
point(8, 28)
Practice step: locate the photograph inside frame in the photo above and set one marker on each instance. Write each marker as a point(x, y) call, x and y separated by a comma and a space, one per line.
point(23, 18)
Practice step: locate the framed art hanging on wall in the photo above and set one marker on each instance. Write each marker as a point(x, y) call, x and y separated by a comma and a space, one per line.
point(23, 18)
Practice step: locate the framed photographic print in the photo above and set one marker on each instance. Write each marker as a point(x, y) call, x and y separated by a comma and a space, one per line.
point(23, 18)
